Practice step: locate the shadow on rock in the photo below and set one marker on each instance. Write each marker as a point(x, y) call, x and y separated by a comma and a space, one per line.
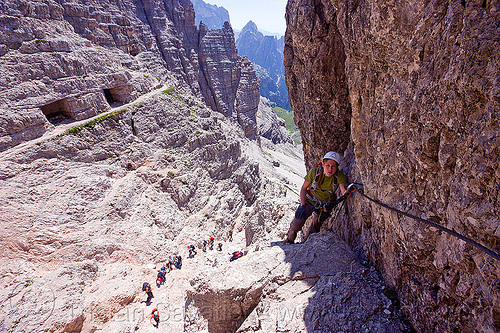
point(318, 286)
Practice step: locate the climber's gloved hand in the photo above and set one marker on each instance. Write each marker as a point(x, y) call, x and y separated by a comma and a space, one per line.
point(329, 206)
point(300, 212)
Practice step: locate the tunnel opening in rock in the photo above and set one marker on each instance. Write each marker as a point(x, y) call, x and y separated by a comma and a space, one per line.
point(57, 112)
point(109, 96)
point(222, 311)
point(118, 95)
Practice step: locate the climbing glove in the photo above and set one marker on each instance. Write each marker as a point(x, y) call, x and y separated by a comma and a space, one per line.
point(300, 212)
point(329, 206)
point(350, 188)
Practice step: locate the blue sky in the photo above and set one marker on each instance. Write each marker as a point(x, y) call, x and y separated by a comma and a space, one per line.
point(269, 15)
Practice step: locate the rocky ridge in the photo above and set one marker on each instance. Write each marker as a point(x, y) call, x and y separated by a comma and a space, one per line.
point(266, 54)
point(408, 93)
point(231, 86)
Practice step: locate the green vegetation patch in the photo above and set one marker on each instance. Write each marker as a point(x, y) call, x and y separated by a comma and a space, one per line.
point(91, 123)
point(290, 124)
point(170, 90)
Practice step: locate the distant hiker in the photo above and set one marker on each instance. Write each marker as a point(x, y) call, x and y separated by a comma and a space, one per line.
point(236, 255)
point(160, 277)
point(170, 266)
point(204, 245)
point(192, 251)
point(155, 314)
point(317, 195)
point(219, 247)
point(178, 262)
point(147, 288)
point(211, 243)
point(231, 235)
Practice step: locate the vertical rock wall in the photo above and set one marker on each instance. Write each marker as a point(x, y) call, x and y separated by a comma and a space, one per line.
point(315, 76)
point(422, 114)
point(228, 82)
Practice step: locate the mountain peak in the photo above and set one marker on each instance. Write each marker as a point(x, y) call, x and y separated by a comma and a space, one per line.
point(250, 26)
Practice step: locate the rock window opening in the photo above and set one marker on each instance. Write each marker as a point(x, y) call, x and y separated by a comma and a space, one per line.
point(109, 96)
point(114, 96)
point(56, 112)
point(118, 95)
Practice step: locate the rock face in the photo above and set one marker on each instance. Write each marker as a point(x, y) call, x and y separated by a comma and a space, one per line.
point(266, 53)
point(86, 214)
point(50, 73)
point(409, 94)
point(231, 86)
point(293, 288)
point(69, 60)
point(212, 16)
point(270, 126)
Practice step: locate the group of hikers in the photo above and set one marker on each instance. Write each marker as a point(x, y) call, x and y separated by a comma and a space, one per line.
point(176, 263)
point(317, 199)
point(211, 242)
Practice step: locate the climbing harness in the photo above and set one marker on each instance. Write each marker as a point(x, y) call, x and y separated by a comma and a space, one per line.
point(316, 186)
point(432, 224)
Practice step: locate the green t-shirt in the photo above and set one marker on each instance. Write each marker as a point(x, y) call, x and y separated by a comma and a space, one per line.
point(326, 184)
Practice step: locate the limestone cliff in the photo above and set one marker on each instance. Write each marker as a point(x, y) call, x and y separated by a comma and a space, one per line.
point(87, 213)
point(70, 60)
point(266, 53)
point(408, 92)
point(230, 84)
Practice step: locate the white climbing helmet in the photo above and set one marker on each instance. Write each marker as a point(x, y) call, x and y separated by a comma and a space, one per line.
point(331, 155)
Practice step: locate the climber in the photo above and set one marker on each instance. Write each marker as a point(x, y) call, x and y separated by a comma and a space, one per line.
point(231, 235)
point(219, 247)
point(147, 288)
point(156, 316)
point(317, 196)
point(236, 255)
point(178, 262)
point(204, 245)
point(211, 243)
point(192, 251)
point(160, 277)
